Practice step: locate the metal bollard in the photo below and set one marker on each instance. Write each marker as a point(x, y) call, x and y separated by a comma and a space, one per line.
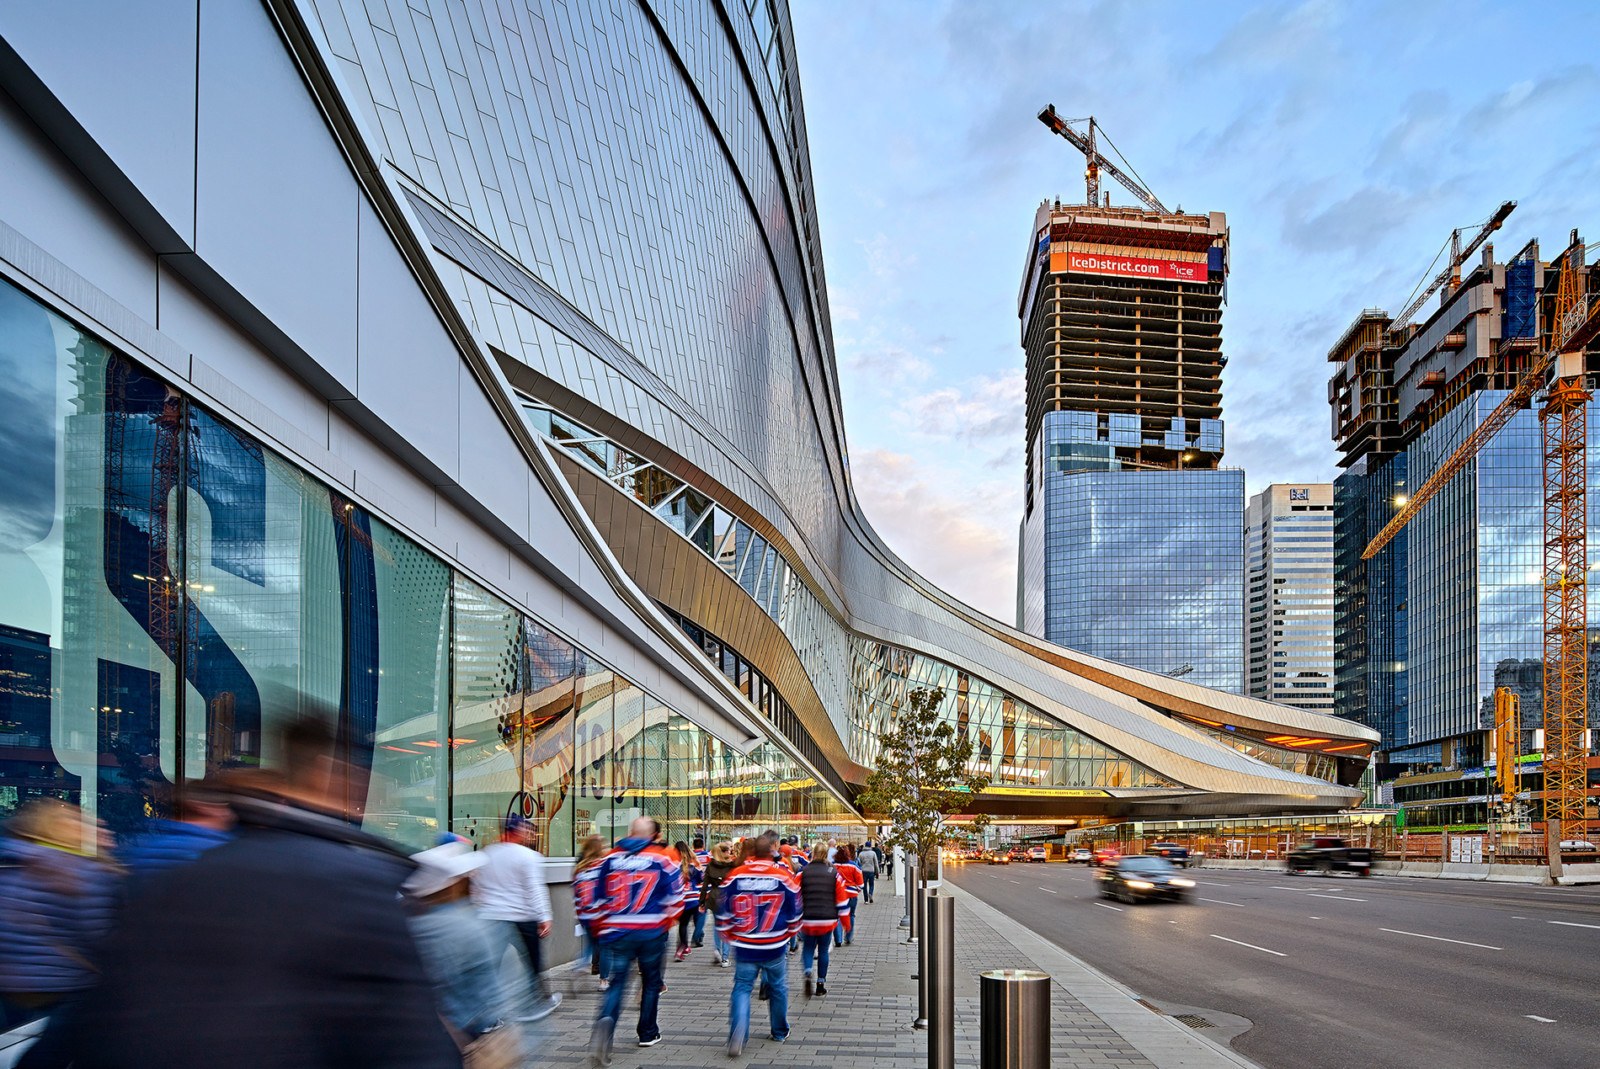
point(909, 921)
point(1013, 1019)
point(941, 982)
point(920, 912)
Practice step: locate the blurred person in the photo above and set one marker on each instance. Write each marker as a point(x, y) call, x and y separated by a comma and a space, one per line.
point(723, 861)
point(57, 904)
point(869, 860)
point(458, 953)
point(689, 869)
point(203, 820)
point(833, 850)
point(511, 894)
point(850, 875)
point(285, 948)
point(821, 893)
point(758, 911)
point(642, 895)
point(586, 906)
point(703, 857)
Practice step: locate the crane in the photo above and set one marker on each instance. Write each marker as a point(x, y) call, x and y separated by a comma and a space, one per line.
point(1558, 368)
point(1095, 162)
point(1452, 273)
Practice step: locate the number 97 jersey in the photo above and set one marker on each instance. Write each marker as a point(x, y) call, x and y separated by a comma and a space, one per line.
point(758, 909)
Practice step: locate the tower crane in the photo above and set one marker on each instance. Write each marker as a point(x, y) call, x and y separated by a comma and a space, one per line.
point(1452, 273)
point(1094, 162)
point(1557, 368)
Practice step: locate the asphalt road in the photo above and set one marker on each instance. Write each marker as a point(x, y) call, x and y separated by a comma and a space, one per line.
point(1338, 972)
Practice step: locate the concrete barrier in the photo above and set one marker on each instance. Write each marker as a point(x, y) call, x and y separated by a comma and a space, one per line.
point(1436, 870)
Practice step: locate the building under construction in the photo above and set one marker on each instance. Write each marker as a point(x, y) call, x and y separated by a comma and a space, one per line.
point(1131, 543)
point(1454, 605)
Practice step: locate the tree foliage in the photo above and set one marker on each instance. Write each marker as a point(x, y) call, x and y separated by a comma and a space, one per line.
point(923, 775)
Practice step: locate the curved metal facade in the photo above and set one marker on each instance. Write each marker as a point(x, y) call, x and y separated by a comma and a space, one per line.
point(541, 284)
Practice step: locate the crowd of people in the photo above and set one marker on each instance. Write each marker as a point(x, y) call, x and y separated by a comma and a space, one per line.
point(259, 927)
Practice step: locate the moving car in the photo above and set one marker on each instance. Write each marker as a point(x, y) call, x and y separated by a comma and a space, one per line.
point(1141, 878)
point(1018, 853)
point(1106, 855)
point(1083, 854)
point(997, 857)
point(1329, 854)
point(1173, 852)
point(1038, 853)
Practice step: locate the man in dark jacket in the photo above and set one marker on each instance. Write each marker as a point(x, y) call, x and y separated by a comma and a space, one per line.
point(286, 947)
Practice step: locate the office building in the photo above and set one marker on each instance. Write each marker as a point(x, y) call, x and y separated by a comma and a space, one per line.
point(1288, 542)
point(1131, 544)
point(464, 372)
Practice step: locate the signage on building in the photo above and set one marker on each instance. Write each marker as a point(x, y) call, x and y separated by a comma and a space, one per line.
point(1098, 263)
point(1299, 495)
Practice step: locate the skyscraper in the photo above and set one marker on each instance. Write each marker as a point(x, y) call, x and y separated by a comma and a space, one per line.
point(1131, 543)
point(1288, 549)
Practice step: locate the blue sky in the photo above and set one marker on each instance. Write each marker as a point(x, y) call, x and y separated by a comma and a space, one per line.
point(1344, 141)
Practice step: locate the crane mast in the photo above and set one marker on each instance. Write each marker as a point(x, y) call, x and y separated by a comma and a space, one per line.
point(1095, 161)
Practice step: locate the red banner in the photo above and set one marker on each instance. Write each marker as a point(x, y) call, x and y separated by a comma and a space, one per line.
point(1128, 266)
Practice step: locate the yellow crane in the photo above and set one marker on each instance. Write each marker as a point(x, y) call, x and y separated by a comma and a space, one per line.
point(1558, 369)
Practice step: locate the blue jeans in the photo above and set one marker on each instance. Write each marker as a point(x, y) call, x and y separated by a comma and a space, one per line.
point(839, 932)
point(776, 974)
point(871, 881)
point(649, 949)
point(819, 946)
point(699, 925)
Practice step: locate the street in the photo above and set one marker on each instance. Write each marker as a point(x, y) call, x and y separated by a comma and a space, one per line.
point(1339, 972)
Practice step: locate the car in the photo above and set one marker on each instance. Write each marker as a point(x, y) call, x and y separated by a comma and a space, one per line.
point(1106, 855)
point(1141, 878)
point(1173, 852)
point(1081, 855)
point(1018, 854)
point(1328, 854)
point(997, 857)
point(1038, 853)
point(1577, 846)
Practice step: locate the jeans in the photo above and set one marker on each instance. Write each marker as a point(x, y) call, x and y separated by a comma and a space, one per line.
point(818, 946)
point(848, 914)
point(775, 973)
point(699, 925)
point(531, 942)
point(870, 881)
point(593, 951)
point(719, 944)
point(649, 949)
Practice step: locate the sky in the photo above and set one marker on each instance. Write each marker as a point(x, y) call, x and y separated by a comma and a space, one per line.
point(1344, 140)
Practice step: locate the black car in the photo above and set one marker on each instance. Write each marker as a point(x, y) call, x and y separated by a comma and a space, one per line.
point(1139, 878)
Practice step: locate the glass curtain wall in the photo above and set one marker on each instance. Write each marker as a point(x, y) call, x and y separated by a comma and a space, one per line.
point(175, 592)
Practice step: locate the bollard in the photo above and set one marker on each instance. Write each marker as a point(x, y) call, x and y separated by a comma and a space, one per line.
point(1014, 1019)
point(909, 921)
point(941, 981)
point(920, 912)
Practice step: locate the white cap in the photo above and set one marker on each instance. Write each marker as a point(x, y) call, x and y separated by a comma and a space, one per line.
point(440, 867)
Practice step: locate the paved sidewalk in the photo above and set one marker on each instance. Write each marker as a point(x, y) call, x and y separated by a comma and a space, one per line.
point(864, 1021)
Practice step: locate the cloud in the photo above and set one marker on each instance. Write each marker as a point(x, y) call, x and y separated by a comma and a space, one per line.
point(960, 533)
point(982, 409)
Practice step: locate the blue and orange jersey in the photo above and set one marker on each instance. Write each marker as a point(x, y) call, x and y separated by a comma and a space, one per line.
point(850, 873)
point(758, 908)
point(703, 856)
point(639, 890)
point(691, 886)
point(586, 904)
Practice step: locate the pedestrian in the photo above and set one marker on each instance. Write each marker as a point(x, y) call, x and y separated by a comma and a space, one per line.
point(689, 869)
point(457, 950)
point(833, 850)
point(203, 820)
point(888, 862)
point(821, 892)
point(868, 860)
point(642, 895)
point(702, 857)
point(586, 893)
point(57, 902)
point(758, 911)
point(285, 948)
point(723, 861)
point(510, 893)
point(852, 879)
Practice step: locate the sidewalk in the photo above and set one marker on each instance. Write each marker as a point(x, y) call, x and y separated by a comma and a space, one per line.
point(864, 1021)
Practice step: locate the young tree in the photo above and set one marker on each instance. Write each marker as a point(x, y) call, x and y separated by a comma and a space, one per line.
point(922, 776)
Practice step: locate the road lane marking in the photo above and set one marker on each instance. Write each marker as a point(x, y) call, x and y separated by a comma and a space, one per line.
point(1252, 946)
point(1102, 905)
point(1574, 924)
point(1342, 898)
point(1541, 1020)
point(1316, 918)
point(1225, 902)
point(1441, 939)
point(1276, 887)
point(1047, 890)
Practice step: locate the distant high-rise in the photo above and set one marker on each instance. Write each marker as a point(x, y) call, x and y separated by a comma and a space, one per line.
point(1288, 553)
point(1131, 543)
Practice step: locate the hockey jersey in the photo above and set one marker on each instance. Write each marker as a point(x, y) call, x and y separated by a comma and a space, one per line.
point(586, 904)
point(758, 909)
point(640, 889)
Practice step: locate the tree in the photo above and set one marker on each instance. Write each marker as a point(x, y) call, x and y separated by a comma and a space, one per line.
point(922, 776)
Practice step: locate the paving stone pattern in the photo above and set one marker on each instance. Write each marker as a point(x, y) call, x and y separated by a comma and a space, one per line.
point(864, 1022)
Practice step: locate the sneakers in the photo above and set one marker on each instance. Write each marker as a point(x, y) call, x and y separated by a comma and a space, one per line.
point(725, 963)
point(735, 1047)
point(544, 1010)
point(780, 1039)
point(808, 985)
point(697, 943)
point(822, 989)
point(649, 1042)
point(600, 1043)
point(683, 952)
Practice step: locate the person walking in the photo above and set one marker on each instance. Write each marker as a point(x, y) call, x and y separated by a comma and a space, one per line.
point(702, 858)
point(850, 876)
point(721, 864)
point(510, 892)
point(642, 895)
point(821, 892)
point(586, 893)
point(689, 867)
point(868, 860)
point(758, 911)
